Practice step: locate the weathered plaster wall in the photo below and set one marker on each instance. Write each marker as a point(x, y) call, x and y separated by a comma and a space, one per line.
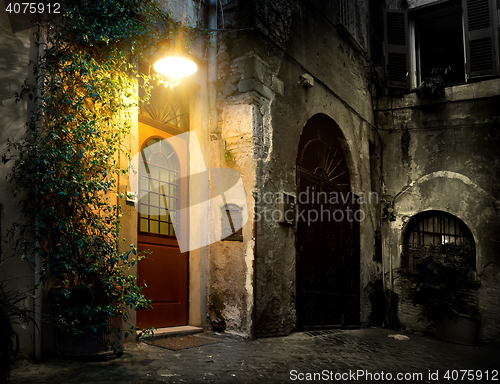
point(238, 140)
point(231, 266)
point(443, 155)
point(16, 49)
point(188, 12)
point(261, 71)
point(418, 3)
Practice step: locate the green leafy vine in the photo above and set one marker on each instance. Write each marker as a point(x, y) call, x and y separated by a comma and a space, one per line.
point(67, 165)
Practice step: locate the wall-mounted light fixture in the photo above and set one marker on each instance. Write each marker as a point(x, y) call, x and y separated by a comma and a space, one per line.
point(306, 80)
point(175, 67)
point(171, 60)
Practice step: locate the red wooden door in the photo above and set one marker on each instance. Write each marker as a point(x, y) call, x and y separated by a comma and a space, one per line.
point(164, 272)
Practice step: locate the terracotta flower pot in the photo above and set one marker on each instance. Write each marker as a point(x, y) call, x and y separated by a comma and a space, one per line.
point(89, 343)
point(459, 328)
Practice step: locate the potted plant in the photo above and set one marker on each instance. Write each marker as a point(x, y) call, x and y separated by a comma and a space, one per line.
point(12, 311)
point(443, 283)
point(90, 309)
point(431, 88)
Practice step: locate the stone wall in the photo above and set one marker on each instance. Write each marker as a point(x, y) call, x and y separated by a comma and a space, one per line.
point(488, 295)
point(443, 155)
point(231, 263)
point(16, 49)
point(260, 71)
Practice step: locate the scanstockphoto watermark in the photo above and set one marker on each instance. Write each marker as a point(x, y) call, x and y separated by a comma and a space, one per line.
point(312, 206)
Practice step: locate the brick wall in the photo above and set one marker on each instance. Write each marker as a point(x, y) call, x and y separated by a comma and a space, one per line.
point(410, 316)
point(489, 303)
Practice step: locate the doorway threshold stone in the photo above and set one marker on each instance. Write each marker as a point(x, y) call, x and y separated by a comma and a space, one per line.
point(174, 331)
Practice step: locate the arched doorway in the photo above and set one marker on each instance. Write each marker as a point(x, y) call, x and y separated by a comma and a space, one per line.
point(163, 192)
point(328, 268)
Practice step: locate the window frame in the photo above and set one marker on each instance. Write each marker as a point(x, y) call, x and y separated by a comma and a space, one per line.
point(172, 215)
point(412, 53)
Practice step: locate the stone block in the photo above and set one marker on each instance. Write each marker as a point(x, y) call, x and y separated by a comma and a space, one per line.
point(237, 121)
point(486, 89)
point(278, 86)
point(255, 85)
point(254, 69)
point(459, 92)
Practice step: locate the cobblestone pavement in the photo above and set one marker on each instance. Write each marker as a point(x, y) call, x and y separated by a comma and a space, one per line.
point(342, 356)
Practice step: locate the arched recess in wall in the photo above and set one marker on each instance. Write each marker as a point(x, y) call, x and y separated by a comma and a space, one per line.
point(459, 195)
point(327, 241)
point(436, 228)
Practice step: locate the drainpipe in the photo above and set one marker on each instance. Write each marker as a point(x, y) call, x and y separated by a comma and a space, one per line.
point(212, 66)
point(382, 251)
point(38, 299)
point(212, 112)
point(37, 339)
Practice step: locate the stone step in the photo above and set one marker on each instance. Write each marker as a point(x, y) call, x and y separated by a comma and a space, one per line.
point(173, 331)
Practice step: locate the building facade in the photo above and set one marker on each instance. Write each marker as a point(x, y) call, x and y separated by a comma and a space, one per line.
point(317, 106)
point(440, 162)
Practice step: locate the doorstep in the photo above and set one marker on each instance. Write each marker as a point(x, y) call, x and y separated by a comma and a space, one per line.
point(174, 331)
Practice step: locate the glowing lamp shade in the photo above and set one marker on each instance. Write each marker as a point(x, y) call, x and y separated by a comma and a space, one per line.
point(175, 67)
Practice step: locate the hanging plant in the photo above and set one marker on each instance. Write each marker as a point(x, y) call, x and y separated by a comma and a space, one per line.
point(67, 166)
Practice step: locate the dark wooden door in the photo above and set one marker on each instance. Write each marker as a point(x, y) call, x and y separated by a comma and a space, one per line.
point(164, 272)
point(328, 255)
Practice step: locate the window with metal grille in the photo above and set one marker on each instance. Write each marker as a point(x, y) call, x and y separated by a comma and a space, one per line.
point(159, 205)
point(437, 228)
point(344, 14)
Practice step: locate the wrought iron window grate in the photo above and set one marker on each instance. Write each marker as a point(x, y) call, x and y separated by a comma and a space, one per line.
point(436, 228)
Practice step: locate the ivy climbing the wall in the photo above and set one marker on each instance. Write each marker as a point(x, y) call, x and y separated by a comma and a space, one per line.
point(66, 168)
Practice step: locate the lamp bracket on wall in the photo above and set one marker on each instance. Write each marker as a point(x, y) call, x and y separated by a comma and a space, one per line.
point(306, 80)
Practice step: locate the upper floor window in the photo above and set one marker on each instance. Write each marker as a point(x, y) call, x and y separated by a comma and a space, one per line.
point(456, 40)
point(344, 14)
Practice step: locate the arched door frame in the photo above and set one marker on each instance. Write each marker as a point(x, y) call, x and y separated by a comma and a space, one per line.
point(165, 245)
point(317, 285)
